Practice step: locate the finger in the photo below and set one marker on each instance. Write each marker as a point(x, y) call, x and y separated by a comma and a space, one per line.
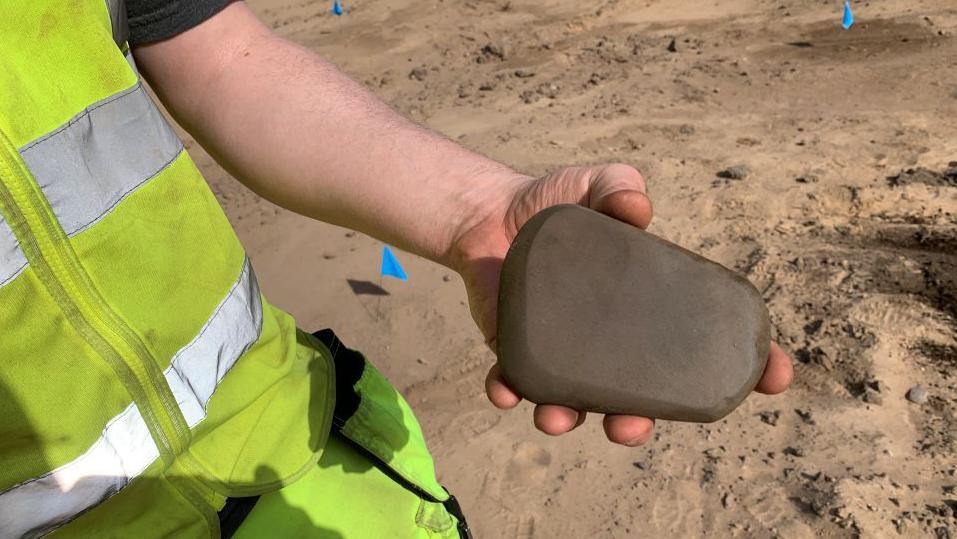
point(778, 373)
point(554, 420)
point(628, 430)
point(498, 391)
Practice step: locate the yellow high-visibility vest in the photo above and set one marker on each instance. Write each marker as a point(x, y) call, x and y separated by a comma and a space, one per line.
point(143, 379)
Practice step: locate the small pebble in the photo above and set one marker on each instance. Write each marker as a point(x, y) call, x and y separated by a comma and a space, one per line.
point(493, 49)
point(328, 256)
point(812, 327)
point(917, 395)
point(737, 172)
point(446, 277)
point(418, 73)
point(793, 451)
point(549, 90)
point(805, 416)
point(770, 417)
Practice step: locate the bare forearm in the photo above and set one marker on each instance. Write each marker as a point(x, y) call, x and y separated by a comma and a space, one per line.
point(300, 133)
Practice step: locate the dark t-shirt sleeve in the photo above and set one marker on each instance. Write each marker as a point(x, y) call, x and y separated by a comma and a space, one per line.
point(154, 20)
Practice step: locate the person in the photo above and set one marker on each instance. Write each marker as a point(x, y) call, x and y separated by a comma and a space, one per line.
point(147, 388)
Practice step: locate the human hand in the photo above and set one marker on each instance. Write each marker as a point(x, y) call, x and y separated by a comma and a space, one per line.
point(479, 251)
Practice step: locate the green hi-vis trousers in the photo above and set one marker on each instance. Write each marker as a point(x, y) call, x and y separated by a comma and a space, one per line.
point(375, 477)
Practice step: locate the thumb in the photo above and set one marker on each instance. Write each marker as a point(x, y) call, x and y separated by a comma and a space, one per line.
point(619, 191)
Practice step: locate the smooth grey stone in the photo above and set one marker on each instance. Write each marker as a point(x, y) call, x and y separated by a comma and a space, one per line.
point(917, 395)
point(597, 315)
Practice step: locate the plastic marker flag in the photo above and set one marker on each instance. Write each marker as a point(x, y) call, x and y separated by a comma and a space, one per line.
point(336, 8)
point(848, 16)
point(391, 266)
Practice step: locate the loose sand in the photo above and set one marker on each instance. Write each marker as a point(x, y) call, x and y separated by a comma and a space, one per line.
point(859, 271)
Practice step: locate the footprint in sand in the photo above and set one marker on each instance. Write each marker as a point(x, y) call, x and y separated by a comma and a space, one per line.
point(527, 466)
point(772, 510)
point(475, 424)
point(677, 510)
point(519, 526)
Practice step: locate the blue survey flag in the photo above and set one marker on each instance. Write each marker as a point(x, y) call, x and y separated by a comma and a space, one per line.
point(336, 7)
point(391, 266)
point(848, 15)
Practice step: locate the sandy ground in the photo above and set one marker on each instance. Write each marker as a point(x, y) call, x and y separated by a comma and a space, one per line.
point(857, 261)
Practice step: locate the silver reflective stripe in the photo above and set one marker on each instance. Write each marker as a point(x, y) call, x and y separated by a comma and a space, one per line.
point(121, 27)
point(12, 260)
point(100, 156)
point(41, 505)
point(92, 162)
point(125, 448)
point(198, 367)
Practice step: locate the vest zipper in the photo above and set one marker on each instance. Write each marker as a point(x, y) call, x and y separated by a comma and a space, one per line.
point(51, 256)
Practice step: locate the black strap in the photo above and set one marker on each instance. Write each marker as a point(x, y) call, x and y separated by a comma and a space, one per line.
point(454, 509)
point(349, 366)
point(234, 513)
